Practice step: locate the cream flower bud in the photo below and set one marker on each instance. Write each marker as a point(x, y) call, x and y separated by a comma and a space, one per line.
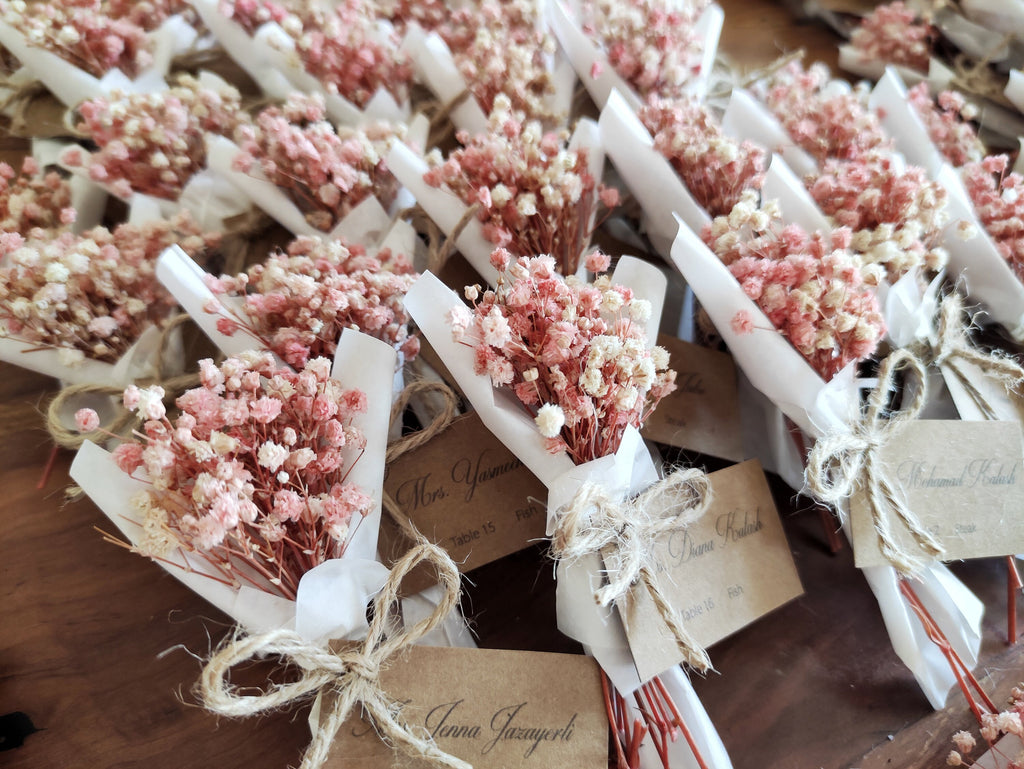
point(550, 419)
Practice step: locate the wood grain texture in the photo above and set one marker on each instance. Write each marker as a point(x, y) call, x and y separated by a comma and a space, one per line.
point(97, 645)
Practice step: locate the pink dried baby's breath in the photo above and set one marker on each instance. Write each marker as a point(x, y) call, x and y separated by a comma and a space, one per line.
point(31, 200)
point(344, 47)
point(153, 143)
point(297, 303)
point(252, 473)
point(501, 49)
point(651, 44)
point(998, 198)
point(948, 121)
point(715, 168)
point(895, 34)
point(571, 353)
point(536, 196)
point(827, 122)
point(326, 171)
point(809, 286)
point(89, 295)
point(82, 33)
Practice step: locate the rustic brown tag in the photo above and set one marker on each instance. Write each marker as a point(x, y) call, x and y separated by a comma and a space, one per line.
point(721, 573)
point(703, 414)
point(464, 490)
point(494, 709)
point(963, 480)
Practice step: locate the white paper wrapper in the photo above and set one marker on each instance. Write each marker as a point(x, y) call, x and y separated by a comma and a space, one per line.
point(1003, 16)
point(900, 120)
point(584, 53)
point(746, 118)
point(72, 85)
point(251, 57)
point(435, 66)
point(978, 265)
point(818, 408)
point(938, 76)
point(648, 174)
point(331, 600)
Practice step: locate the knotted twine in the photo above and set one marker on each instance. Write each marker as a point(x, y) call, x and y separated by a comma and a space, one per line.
point(595, 522)
point(173, 386)
point(841, 462)
point(345, 675)
point(441, 246)
point(412, 441)
point(954, 350)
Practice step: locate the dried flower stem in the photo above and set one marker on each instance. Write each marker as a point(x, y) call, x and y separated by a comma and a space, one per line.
point(964, 677)
point(1013, 587)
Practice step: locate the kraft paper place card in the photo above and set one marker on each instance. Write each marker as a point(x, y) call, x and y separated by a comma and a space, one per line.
point(963, 481)
point(722, 572)
point(703, 414)
point(468, 493)
point(492, 708)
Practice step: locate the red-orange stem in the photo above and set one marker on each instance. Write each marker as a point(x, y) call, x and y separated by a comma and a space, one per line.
point(965, 678)
point(667, 698)
point(48, 468)
point(1013, 586)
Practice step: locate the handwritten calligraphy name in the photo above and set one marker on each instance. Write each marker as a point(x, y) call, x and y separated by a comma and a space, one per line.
point(914, 474)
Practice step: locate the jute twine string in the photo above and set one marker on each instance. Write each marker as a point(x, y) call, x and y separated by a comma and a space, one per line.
point(439, 113)
point(240, 233)
point(954, 350)
point(594, 522)
point(749, 78)
point(840, 462)
point(346, 676)
point(406, 443)
point(172, 385)
point(440, 246)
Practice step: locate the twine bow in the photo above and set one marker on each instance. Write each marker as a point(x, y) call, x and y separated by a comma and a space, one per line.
point(594, 521)
point(350, 676)
point(954, 349)
point(842, 461)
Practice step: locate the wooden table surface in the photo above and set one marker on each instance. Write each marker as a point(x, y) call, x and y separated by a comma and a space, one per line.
point(100, 648)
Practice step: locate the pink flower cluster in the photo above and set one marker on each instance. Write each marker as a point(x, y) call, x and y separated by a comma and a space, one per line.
point(32, 200)
point(993, 727)
point(252, 473)
point(344, 48)
point(88, 295)
point(823, 117)
point(149, 14)
point(428, 14)
point(326, 171)
point(998, 199)
point(153, 143)
point(535, 195)
point(651, 44)
point(948, 123)
point(897, 215)
point(81, 33)
point(297, 303)
point(574, 353)
point(893, 33)
point(501, 49)
point(715, 168)
point(810, 286)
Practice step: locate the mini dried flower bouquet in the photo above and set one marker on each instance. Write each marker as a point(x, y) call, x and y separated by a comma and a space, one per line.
point(264, 493)
point(564, 372)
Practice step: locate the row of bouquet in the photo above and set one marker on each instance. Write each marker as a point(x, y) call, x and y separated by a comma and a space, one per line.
point(820, 228)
